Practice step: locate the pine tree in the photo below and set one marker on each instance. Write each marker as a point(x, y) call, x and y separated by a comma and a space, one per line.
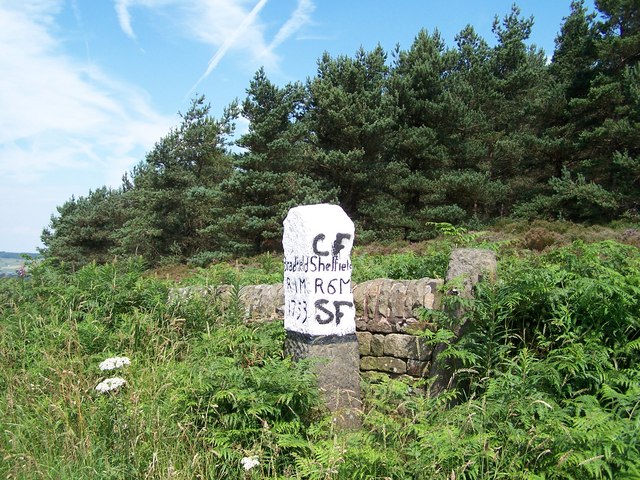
point(86, 229)
point(272, 175)
point(347, 119)
point(523, 93)
point(176, 186)
point(598, 61)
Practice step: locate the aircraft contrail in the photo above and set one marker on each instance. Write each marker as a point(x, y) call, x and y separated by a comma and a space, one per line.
point(213, 63)
point(300, 16)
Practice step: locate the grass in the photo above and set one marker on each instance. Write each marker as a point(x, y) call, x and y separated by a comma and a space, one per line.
point(549, 374)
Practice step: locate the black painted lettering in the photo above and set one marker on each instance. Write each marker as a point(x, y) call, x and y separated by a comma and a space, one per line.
point(337, 245)
point(339, 314)
point(302, 311)
point(345, 283)
point(319, 238)
point(329, 315)
point(318, 286)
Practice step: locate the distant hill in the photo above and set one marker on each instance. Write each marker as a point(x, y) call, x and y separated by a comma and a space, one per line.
point(10, 262)
point(16, 255)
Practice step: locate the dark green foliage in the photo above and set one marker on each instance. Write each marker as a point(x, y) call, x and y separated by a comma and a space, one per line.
point(272, 176)
point(547, 386)
point(596, 62)
point(461, 134)
point(571, 199)
point(176, 187)
point(86, 229)
point(347, 120)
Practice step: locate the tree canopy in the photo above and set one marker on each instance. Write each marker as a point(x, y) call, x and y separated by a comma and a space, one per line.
point(461, 134)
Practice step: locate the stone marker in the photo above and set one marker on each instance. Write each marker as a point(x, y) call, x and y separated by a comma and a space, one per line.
point(319, 312)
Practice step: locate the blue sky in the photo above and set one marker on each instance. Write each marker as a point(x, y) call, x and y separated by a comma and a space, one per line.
point(88, 86)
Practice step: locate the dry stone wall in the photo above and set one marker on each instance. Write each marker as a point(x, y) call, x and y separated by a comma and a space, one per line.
point(386, 315)
point(387, 318)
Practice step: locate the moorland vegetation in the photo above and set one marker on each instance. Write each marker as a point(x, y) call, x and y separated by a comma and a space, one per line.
point(547, 378)
point(435, 148)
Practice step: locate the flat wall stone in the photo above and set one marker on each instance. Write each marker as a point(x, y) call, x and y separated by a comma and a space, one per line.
point(263, 302)
point(386, 312)
point(364, 342)
point(416, 368)
point(383, 364)
point(471, 265)
point(406, 346)
point(377, 345)
point(186, 293)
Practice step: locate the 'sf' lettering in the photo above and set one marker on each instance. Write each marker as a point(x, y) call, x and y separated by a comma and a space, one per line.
point(319, 304)
point(337, 306)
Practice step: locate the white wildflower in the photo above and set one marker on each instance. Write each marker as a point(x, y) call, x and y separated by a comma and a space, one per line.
point(114, 362)
point(249, 462)
point(110, 384)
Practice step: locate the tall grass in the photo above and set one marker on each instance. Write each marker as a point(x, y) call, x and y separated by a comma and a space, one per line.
point(56, 329)
point(548, 383)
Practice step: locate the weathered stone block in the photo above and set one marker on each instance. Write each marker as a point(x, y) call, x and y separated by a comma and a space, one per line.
point(337, 368)
point(423, 350)
point(416, 368)
point(406, 346)
point(386, 306)
point(361, 324)
point(467, 266)
point(379, 325)
point(398, 345)
point(364, 342)
point(471, 265)
point(262, 302)
point(377, 345)
point(383, 364)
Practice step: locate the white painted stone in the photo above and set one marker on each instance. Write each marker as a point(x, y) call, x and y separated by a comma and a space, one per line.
point(317, 245)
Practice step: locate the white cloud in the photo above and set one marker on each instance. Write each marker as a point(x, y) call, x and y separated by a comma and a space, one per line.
point(230, 41)
point(64, 124)
point(57, 112)
point(210, 22)
point(67, 124)
point(124, 18)
point(225, 25)
point(300, 17)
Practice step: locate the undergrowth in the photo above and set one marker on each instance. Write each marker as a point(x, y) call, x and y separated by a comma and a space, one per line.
point(546, 382)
